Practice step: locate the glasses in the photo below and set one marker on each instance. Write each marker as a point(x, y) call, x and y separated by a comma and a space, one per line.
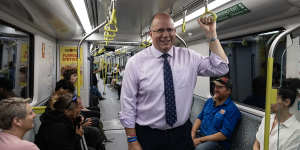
point(74, 100)
point(160, 31)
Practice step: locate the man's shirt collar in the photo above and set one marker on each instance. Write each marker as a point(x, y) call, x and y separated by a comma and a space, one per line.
point(157, 53)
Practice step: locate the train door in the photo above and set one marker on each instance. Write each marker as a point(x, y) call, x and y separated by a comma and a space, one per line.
point(16, 60)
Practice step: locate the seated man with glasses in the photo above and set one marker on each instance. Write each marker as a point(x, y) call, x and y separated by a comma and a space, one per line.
point(16, 118)
point(61, 127)
point(214, 126)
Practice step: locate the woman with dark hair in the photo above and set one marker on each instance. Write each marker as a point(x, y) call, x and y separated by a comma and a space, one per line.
point(61, 127)
point(282, 122)
point(70, 74)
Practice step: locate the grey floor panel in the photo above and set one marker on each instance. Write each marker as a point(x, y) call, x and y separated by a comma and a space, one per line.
point(112, 125)
point(110, 108)
point(118, 140)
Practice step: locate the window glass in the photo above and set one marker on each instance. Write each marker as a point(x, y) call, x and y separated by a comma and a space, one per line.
point(14, 60)
point(248, 66)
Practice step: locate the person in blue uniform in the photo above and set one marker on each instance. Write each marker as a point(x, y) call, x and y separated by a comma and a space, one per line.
point(214, 126)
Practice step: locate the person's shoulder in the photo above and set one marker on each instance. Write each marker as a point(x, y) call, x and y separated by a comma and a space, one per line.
point(30, 146)
point(140, 55)
point(209, 100)
point(296, 125)
point(232, 106)
point(26, 145)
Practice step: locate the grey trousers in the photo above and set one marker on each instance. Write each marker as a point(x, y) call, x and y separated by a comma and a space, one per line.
point(210, 145)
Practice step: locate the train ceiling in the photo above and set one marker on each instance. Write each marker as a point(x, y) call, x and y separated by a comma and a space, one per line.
point(57, 18)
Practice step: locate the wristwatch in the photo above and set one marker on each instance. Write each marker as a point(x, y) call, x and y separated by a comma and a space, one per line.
point(213, 39)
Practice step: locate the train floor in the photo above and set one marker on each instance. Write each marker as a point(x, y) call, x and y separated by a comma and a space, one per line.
point(109, 109)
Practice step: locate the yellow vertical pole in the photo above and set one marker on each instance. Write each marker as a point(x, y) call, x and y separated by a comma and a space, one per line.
point(78, 71)
point(268, 102)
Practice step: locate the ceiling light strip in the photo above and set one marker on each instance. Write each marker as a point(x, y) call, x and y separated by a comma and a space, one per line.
point(81, 12)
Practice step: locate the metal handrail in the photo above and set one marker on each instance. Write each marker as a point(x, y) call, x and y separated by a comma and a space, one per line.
point(269, 83)
point(120, 43)
point(181, 40)
point(78, 53)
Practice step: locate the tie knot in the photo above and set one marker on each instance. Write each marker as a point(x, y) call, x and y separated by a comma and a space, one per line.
point(165, 55)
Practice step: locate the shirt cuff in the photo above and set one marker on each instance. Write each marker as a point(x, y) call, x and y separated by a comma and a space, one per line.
point(226, 133)
point(126, 120)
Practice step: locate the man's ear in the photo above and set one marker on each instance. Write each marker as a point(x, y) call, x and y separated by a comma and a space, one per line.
point(17, 122)
point(150, 33)
point(287, 102)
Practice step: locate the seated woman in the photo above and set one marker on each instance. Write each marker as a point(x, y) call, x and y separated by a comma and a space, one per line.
point(94, 135)
point(61, 127)
point(288, 128)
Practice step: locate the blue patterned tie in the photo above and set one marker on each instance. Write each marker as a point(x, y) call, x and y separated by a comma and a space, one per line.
point(171, 116)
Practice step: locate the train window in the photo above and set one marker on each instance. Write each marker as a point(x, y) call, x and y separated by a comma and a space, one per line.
point(248, 64)
point(15, 60)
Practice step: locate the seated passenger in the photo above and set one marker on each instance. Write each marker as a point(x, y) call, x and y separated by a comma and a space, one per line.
point(94, 135)
point(69, 86)
point(288, 128)
point(70, 74)
point(213, 128)
point(16, 118)
point(61, 127)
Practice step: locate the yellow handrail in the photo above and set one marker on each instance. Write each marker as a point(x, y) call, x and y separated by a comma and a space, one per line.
point(268, 102)
point(78, 72)
point(39, 109)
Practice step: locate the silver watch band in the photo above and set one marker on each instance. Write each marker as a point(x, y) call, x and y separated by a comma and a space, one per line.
point(213, 39)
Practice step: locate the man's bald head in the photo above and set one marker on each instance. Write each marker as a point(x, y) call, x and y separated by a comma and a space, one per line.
point(162, 32)
point(160, 16)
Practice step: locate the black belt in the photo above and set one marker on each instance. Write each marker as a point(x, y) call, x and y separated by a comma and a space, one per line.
point(176, 129)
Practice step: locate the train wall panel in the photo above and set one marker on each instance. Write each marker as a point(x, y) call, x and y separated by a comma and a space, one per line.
point(202, 84)
point(293, 68)
point(44, 68)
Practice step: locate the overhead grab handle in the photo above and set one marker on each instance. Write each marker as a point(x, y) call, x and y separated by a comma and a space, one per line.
point(111, 28)
point(208, 13)
point(99, 52)
point(145, 44)
point(183, 21)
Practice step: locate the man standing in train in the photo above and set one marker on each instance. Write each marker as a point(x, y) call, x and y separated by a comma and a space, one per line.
point(217, 120)
point(158, 85)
